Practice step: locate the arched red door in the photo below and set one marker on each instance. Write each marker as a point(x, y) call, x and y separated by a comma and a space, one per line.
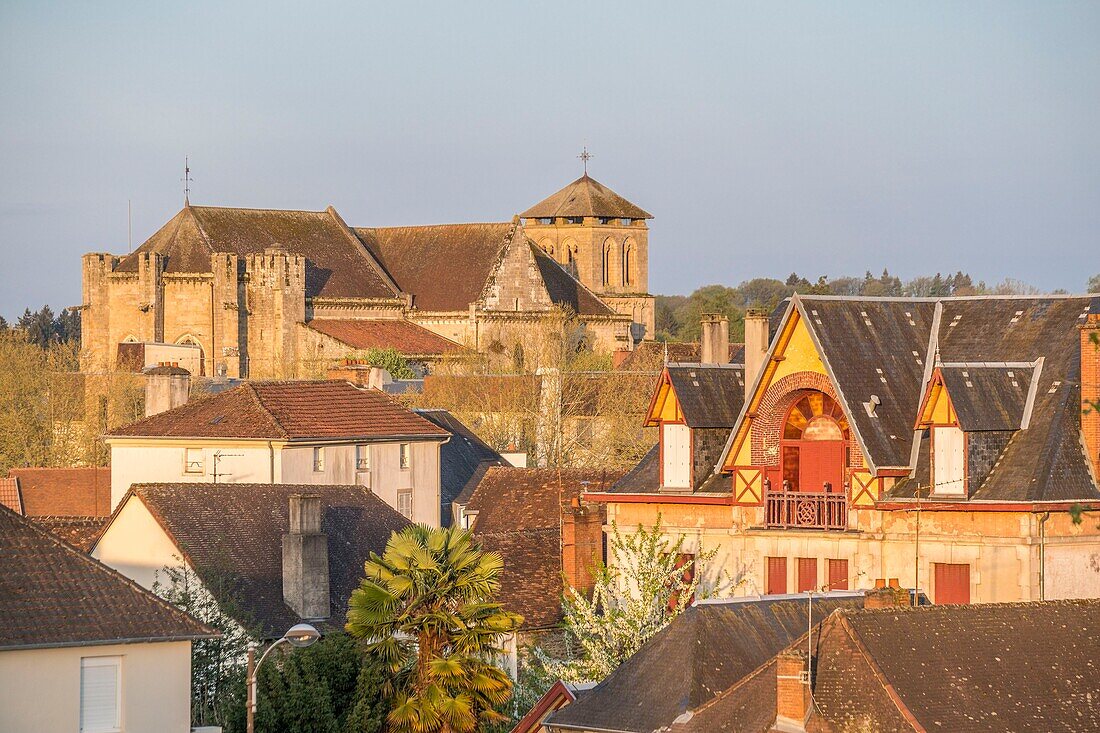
point(814, 447)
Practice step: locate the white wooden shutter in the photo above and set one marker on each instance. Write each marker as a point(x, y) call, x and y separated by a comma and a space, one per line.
point(676, 453)
point(100, 694)
point(949, 461)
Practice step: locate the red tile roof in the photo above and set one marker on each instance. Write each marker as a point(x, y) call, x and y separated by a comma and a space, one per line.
point(64, 492)
point(9, 494)
point(80, 532)
point(53, 595)
point(509, 499)
point(406, 337)
point(289, 411)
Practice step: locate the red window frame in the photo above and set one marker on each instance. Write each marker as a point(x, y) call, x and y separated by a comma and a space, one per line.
point(838, 574)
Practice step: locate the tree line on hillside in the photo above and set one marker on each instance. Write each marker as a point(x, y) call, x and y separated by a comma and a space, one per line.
point(43, 327)
point(678, 316)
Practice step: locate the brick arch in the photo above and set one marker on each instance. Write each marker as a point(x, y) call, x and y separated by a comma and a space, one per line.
point(777, 400)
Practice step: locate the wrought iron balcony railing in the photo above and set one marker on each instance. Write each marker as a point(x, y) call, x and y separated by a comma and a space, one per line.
point(806, 510)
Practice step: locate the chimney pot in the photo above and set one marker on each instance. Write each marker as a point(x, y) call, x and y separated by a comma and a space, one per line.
point(714, 339)
point(792, 699)
point(756, 346)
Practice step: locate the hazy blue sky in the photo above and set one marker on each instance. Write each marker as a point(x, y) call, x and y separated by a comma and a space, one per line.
point(766, 137)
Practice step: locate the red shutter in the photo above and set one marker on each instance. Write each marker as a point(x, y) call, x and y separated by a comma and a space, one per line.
point(777, 576)
point(822, 463)
point(952, 583)
point(838, 575)
point(807, 574)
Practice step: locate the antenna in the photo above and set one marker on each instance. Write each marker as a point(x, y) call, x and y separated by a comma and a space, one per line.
point(187, 180)
point(585, 156)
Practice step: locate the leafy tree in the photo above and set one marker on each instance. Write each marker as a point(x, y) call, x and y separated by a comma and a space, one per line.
point(1094, 284)
point(644, 588)
point(389, 359)
point(426, 609)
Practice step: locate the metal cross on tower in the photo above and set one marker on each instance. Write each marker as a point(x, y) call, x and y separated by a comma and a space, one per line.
point(186, 181)
point(585, 156)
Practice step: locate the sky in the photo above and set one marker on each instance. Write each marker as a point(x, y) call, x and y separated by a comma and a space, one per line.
point(768, 137)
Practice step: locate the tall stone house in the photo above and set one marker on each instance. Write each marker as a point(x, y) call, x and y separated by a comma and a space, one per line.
point(265, 293)
point(947, 443)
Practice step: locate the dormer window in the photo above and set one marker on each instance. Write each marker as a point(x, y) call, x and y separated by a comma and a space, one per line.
point(675, 456)
point(948, 461)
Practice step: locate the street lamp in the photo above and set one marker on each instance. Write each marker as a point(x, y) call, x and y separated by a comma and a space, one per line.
point(299, 636)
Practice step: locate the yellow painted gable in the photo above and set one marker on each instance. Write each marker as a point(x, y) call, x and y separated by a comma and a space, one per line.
point(937, 408)
point(664, 407)
point(795, 352)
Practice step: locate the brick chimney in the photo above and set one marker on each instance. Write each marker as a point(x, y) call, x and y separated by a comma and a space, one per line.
point(714, 337)
point(1090, 389)
point(886, 594)
point(792, 691)
point(167, 386)
point(581, 544)
point(360, 374)
point(756, 345)
point(305, 559)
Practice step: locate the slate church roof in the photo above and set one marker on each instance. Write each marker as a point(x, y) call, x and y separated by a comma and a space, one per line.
point(231, 536)
point(586, 197)
point(53, 595)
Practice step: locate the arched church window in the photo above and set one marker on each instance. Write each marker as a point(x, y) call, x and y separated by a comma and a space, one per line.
point(607, 263)
point(547, 247)
point(628, 262)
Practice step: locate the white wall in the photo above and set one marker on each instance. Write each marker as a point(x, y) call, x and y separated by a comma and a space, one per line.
point(40, 688)
point(131, 463)
point(136, 545)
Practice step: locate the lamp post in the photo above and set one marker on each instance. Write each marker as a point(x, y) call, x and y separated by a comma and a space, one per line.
point(299, 636)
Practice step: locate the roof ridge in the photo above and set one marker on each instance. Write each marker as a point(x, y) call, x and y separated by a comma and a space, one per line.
point(362, 249)
point(260, 403)
point(436, 226)
point(98, 566)
point(257, 209)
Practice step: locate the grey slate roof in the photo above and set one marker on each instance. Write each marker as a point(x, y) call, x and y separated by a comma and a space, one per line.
point(710, 395)
point(231, 535)
point(460, 458)
point(988, 397)
point(53, 595)
point(644, 478)
point(709, 648)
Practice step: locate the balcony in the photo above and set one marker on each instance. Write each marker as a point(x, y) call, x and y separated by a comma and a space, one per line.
point(805, 510)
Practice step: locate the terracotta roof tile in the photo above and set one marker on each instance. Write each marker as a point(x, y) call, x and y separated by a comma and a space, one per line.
point(509, 499)
point(298, 410)
point(9, 494)
point(64, 492)
point(80, 532)
point(53, 595)
point(586, 197)
point(234, 532)
point(406, 337)
point(531, 583)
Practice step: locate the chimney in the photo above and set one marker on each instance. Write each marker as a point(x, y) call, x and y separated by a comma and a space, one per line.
point(305, 559)
point(581, 544)
point(886, 595)
point(167, 386)
point(715, 339)
point(1090, 389)
point(792, 690)
point(756, 346)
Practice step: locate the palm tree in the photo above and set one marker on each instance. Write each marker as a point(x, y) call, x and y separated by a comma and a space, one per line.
point(425, 607)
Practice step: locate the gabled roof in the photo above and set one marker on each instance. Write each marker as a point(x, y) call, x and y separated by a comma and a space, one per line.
point(708, 395)
point(508, 499)
point(406, 337)
point(460, 458)
point(706, 650)
point(586, 197)
point(337, 264)
point(231, 536)
point(982, 396)
point(80, 532)
point(997, 666)
point(10, 496)
point(64, 492)
point(53, 595)
point(566, 290)
point(295, 410)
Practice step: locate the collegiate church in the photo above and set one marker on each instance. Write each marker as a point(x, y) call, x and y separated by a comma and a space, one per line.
point(269, 293)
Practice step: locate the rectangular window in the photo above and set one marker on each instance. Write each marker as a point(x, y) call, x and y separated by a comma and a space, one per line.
point(948, 461)
point(807, 574)
point(952, 583)
point(406, 455)
point(193, 460)
point(776, 581)
point(318, 459)
point(405, 503)
point(100, 694)
point(362, 458)
point(838, 575)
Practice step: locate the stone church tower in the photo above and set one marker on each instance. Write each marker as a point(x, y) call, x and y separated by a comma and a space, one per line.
point(603, 240)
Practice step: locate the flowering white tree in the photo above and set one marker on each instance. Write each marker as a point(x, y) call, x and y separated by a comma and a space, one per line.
point(647, 584)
